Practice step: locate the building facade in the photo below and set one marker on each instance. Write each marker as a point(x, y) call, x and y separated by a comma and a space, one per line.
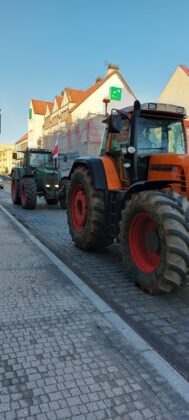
point(47, 119)
point(6, 161)
point(176, 91)
point(36, 117)
point(22, 144)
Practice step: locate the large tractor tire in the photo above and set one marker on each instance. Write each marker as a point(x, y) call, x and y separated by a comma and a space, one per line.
point(154, 240)
point(51, 201)
point(28, 193)
point(15, 190)
point(86, 212)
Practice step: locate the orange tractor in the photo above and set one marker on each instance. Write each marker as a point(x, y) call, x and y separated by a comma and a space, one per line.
point(136, 191)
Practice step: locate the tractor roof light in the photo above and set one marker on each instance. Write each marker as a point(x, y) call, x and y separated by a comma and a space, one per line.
point(152, 106)
point(180, 109)
point(47, 185)
point(56, 186)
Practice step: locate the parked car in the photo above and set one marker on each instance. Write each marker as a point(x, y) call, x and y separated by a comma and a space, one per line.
point(5, 177)
point(1, 183)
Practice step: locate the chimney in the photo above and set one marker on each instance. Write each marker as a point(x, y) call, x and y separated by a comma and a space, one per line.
point(111, 68)
point(98, 79)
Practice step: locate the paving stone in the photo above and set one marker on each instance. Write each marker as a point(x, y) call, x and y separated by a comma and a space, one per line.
point(60, 358)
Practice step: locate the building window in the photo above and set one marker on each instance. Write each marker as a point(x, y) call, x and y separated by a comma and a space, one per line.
point(30, 113)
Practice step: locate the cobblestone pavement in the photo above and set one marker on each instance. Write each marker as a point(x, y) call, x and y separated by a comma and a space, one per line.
point(162, 321)
point(59, 357)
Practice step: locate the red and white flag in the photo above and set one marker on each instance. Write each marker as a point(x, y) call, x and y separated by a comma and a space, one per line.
point(55, 150)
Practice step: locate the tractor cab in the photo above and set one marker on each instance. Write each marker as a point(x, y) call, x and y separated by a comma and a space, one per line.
point(141, 136)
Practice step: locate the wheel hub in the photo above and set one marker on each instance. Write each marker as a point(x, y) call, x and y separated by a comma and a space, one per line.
point(144, 242)
point(79, 208)
point(152, 241)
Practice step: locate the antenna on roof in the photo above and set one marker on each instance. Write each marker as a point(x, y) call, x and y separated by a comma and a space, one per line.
point(106, 63)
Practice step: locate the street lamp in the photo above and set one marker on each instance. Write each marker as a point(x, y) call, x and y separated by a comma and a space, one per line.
point(106, 102)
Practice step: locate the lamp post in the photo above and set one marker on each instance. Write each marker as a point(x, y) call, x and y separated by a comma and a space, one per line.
point(106, 102)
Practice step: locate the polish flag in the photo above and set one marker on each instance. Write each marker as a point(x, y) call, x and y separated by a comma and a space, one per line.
point(55, 150)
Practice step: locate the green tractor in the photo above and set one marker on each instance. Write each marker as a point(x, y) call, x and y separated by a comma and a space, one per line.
point(36, 175)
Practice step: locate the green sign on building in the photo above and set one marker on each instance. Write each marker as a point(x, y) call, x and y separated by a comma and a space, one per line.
point(115, 93)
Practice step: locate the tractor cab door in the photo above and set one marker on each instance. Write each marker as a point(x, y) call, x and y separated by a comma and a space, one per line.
point(119, 143)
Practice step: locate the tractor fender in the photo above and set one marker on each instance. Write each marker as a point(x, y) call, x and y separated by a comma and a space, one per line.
point(96, 168)
point(144, 186)
point(18, 173)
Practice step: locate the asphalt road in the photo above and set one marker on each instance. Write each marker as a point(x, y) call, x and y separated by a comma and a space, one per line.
point(163, 321)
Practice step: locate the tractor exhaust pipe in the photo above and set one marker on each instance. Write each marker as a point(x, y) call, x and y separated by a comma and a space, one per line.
point(134, 143)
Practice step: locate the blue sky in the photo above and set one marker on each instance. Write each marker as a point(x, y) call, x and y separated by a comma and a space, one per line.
point(47, 45)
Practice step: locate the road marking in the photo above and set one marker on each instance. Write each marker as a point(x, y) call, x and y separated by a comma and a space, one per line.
point(177, 382)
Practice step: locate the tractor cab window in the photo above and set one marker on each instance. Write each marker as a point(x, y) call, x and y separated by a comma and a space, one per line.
point(40, 159)
point(160, 135)
point(121, 139)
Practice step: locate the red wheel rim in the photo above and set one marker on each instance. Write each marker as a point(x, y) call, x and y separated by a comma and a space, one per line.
point(23, 195)
point(79, 208)
point(144, 243)
point(13, 189)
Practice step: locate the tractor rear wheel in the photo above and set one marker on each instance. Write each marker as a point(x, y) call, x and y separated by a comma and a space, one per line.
point(15, 191)
point(154, 240)
point(86, 212)
point(28, 193)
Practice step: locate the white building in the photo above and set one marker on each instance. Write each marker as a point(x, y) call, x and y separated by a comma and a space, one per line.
point(46, 119)
point(35, 122)
point(176, 91)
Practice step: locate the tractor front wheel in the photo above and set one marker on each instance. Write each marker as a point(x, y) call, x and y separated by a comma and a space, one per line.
point(15, 190)
point(86, 212)
point(28, 193)
point(154, 240)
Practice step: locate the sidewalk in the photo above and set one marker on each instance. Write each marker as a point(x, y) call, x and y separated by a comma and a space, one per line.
point(59, 356)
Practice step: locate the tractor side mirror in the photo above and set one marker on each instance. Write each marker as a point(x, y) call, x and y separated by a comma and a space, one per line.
point(14, 155)
point(114, 123)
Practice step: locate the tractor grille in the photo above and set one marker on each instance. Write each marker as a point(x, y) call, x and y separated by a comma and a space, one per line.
point(51, 179)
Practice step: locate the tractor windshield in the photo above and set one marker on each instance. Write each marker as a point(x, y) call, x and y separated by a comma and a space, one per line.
point(160, 135)
point(41, 159)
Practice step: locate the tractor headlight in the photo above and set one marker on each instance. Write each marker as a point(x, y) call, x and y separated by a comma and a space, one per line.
point(127, 165)
point(47, 185)
point(56, 186)
point(131, 150)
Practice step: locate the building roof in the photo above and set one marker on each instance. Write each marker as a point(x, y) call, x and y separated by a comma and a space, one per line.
point(97, 85)
point(184, 68)
point(50, 106)
point(23, 138)
point(40, 107)
point(74, 95)
point(58, 101)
